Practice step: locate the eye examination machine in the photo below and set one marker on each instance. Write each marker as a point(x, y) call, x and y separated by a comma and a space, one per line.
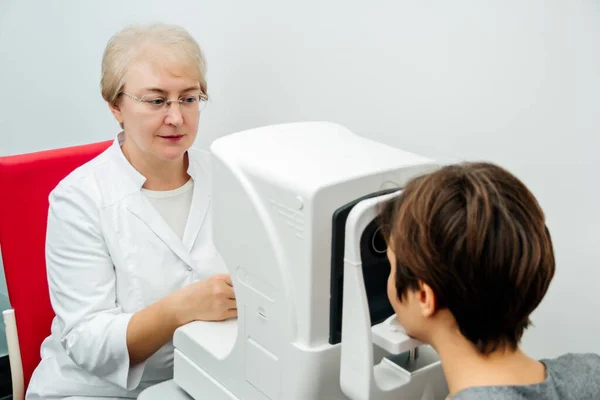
point(294, 221)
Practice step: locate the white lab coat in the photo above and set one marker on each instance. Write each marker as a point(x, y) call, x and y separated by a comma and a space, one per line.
point(109, 254)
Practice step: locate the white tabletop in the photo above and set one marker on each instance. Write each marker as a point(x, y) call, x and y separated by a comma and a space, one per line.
point(165, 390)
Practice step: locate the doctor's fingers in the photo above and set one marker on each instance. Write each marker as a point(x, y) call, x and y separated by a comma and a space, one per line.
point(231, 304)
point(230, 313)
point(228, 292)
point(227, 280)
point(220, 289)
point(223, 278)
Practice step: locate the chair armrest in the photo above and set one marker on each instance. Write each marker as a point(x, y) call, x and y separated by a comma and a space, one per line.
point(14, 354)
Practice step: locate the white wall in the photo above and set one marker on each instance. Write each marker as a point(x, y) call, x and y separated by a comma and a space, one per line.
point(514, 82)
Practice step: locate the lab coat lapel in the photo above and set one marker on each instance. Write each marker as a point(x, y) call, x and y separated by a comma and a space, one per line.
point(141, 207)
point(200, 205)
point(200, 202)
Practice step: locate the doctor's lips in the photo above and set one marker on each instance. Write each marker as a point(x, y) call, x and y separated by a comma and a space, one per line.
point(173, 138)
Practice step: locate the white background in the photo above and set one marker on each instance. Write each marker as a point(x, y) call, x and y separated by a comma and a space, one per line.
point(513, 82)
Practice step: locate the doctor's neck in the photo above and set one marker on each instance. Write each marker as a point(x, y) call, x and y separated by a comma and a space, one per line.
point(464, 366)
point(160, 174)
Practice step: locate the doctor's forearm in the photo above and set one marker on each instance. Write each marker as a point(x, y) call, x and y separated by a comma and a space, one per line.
point(149, 329)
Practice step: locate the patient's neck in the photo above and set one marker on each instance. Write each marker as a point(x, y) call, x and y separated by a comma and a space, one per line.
point(464, 367)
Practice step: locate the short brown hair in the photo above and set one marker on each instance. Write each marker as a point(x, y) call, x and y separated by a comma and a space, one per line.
point(477, 236)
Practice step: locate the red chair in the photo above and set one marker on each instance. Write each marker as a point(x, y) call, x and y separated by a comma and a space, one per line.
point(25, 184)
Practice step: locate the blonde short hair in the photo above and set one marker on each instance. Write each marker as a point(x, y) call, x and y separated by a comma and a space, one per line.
point(137, 41)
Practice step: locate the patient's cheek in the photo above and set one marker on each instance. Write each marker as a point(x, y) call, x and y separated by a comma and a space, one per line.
point(392, 293)
point(389, 294)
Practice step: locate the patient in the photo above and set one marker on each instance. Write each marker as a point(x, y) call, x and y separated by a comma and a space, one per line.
point(471, 259)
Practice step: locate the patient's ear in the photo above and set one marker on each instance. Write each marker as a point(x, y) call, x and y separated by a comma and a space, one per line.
point(427, 300)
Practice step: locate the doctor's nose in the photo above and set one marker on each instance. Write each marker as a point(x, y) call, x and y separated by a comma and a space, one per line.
point(174, 115)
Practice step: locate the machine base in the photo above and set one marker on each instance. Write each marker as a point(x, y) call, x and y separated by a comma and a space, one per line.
point(197, 382)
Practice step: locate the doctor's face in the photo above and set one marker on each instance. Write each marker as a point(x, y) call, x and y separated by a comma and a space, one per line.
point(157, 127)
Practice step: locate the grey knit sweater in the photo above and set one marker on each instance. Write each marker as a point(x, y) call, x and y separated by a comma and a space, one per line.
point(568, 377)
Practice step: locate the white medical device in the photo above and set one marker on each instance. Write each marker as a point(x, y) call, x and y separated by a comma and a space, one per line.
point(294, 209)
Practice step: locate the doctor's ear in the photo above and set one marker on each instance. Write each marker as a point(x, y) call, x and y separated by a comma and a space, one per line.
point(115, 109)
point(427, 299)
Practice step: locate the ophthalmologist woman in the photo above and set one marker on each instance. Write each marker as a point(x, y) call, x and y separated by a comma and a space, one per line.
point(129, 252)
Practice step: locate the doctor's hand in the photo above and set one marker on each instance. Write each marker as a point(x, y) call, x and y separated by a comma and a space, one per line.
point(211, 299)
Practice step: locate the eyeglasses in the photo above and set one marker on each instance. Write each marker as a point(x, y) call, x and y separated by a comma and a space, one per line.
point(156, 103)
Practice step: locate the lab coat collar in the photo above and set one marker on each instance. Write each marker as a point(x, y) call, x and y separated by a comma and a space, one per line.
point(136, 177)
point(139, 205)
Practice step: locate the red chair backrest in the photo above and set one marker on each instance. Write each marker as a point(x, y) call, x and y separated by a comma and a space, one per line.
point(25, 183)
